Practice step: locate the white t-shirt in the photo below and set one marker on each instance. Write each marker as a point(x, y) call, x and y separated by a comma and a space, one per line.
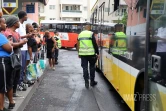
point(161, 45)
point(22, 31)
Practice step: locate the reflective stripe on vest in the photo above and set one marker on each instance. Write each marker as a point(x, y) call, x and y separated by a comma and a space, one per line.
point(86, 45)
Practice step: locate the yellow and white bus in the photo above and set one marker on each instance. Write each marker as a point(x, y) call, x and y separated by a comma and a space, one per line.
point(139, 73)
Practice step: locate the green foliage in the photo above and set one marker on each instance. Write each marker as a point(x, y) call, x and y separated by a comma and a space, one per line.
point(124, 19)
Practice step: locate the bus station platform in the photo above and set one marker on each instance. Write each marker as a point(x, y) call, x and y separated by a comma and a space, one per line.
point(64, 90)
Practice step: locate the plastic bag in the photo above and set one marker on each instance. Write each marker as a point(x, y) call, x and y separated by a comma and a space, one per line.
point(31, 72)
point(38, 70)
point(42, 64)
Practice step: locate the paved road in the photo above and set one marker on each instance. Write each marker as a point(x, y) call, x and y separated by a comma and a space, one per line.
point(63, 90)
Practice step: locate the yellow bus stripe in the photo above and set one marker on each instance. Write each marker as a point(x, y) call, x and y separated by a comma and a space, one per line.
point(129, 69)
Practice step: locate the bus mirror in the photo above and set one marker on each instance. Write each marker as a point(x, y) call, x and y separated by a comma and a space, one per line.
point(156, 63)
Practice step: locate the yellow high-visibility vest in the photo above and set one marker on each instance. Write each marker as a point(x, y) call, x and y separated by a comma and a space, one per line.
point(86, 45)
point(120, 43)
point(58, 42)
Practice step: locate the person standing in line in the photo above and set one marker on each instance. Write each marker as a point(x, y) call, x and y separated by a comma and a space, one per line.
point(58, 42)
point(38, 39)
point(30, 43)
point(6, 79)
point(12, 24)
point(88, 52)
point(24, 50)
point(51, 46)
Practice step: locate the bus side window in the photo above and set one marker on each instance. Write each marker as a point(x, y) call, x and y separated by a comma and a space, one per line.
point(111, 36)
point(79, 28)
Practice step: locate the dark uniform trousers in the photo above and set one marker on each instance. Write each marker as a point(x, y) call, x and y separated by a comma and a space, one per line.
point(84, 63)
point(56, 55)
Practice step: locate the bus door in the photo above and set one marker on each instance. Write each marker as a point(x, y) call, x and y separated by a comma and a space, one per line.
point(100, 34)
point(156, 61)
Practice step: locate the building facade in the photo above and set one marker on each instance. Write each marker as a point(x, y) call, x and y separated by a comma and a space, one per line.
point(66, 10)
point(22, 5)
point(116, 16)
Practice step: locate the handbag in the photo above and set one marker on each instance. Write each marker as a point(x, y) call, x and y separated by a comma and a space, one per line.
point(15, 61)
point(15, 58)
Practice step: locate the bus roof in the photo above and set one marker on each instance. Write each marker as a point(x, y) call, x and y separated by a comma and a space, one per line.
point(58, 21)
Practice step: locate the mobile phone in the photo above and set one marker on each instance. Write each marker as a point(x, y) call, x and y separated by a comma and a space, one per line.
point(10, 36)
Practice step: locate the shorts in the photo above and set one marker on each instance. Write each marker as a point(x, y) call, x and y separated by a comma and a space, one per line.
point(6, 75)
point(50, 54)
point(28, 56)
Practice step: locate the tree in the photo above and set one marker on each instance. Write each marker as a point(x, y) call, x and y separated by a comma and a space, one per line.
point(124, 19)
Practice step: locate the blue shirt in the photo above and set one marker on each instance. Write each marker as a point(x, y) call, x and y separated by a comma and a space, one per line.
point(3, 41)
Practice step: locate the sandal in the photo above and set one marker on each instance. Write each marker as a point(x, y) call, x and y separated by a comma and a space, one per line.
point(11, 105)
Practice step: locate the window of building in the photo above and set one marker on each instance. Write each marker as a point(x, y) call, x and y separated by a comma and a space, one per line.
point(52, 18)
point(123, 11)
point(52, 7)
point(67, 7)
point(85, 8)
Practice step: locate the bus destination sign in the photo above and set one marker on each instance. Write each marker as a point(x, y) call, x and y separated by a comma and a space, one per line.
point(157, 9)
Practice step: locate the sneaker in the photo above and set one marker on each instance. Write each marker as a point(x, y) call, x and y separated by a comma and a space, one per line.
point(19, 88)
point(93, 83)
point(30, 83)
point(87, 84)
point(53, 68)
point(24, 86)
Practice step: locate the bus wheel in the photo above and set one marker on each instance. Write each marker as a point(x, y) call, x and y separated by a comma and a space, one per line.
point(139, 91)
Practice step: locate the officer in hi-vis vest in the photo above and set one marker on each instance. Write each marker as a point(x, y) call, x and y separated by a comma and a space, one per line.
point(88, 52)
point(58, 40)
point(120, 40)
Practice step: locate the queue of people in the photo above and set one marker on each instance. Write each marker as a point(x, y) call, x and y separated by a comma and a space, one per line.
point(25, 42)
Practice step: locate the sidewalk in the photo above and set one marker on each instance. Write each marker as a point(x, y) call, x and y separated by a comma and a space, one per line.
point(22, 102)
